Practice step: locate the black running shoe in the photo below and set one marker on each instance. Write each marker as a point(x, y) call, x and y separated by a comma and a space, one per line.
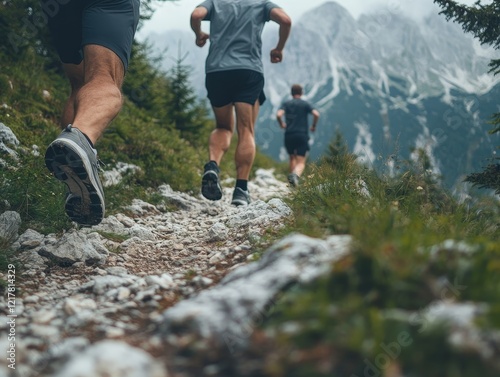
point(240, 197)
point(293, 179)
point(72, 160)
point(210, 185)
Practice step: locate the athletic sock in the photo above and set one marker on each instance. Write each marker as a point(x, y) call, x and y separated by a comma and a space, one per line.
point(242, 184)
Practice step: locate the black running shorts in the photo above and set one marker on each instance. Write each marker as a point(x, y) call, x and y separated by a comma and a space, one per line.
point(76, 23)
point(297, 144)
point(239, 85)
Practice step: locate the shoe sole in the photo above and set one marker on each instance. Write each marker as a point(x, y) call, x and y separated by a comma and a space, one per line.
point(84, 204)
point(239, 198)
point(239, 202)
point(210, 187)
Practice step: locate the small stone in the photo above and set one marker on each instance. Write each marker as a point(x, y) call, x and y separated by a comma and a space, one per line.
point(31, 299)
point(218, 257)
point(117, 271)
point(202, 281)
point(114, 332)
point(123, 293)
point(44, 316)
point(100, 271)
point(73, 305)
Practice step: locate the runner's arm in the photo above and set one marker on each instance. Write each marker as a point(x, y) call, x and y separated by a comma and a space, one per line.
point(279, 118)
point(315, 114)
point(197, 16)
point(279, 16)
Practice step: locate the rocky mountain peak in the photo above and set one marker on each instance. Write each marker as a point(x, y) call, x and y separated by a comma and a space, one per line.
point(330, 18)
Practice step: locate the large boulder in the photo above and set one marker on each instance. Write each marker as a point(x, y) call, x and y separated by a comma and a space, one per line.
point(228, 313)
point(10, 222)
point(75, 247)
point(112, 359)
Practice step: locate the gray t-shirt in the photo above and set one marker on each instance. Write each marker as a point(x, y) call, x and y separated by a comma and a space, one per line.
point(235, 33)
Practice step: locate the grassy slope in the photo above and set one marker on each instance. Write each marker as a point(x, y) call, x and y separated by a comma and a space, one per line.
point(369, 317)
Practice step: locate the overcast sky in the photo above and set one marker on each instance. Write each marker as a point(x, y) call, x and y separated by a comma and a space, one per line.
point(175, 15)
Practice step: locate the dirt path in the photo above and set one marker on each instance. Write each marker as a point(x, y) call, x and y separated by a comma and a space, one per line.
point(150, 259)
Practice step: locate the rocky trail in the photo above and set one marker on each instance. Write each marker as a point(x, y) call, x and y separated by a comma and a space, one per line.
point(153, 292)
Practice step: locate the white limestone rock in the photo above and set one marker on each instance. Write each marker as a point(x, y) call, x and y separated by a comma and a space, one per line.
point(75, 247)
point(10, 221)
point(229, 310)
point(112, 358)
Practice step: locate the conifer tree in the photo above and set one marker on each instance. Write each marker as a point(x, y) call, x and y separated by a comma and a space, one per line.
point(183, 111)
point(338, 155)
point(483, 21)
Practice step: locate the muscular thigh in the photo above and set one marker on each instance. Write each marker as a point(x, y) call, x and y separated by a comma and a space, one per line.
point(102, 64)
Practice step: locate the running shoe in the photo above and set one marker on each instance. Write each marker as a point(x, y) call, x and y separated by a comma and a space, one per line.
point(210, 185)
point(72, 160)
point(240, 197)
point(293, 179)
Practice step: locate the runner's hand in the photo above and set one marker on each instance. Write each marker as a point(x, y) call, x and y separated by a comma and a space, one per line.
point(276, 56)
point(201, 39)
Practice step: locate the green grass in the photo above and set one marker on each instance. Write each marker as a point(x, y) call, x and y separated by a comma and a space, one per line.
point(114, 237)
point(31, 191)
point(344, 318)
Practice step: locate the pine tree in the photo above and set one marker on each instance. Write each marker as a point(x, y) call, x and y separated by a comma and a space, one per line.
point(183, 108)
point(338, 155)
point(24, 31)
point(146, 86)
point(483, 21)
point(169, 96)
point(185, 111)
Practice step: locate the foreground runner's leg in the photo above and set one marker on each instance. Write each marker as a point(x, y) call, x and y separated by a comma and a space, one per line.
point(73, 161)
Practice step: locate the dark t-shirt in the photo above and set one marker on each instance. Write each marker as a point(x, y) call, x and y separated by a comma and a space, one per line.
point(296, 116)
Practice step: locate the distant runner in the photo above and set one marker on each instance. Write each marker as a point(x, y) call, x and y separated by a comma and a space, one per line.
point(296, 113)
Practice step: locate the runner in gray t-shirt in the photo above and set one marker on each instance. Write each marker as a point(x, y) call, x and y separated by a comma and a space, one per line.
point(235, 81)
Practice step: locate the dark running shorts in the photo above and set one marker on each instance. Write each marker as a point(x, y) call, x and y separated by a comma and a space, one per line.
point(297, 144)
point(239, 85)
point(76, 23)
